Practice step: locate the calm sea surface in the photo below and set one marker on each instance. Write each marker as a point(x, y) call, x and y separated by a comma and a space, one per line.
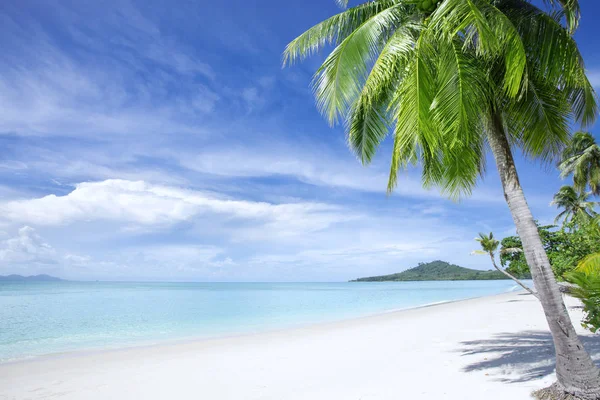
point(42, 318)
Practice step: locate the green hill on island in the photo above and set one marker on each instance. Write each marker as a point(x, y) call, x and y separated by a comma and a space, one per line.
point(436, 271)
point(32, 278)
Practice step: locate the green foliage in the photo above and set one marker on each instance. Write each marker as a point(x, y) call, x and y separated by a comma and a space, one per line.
point(590, 264)
point(565, 248)
point(437, 271)
point(576, 205)
point(588, 291)
point(488, 243)
point(515, 262)
point(427, 6)
point(579, 242)
point(581, 158)
point(435, 72)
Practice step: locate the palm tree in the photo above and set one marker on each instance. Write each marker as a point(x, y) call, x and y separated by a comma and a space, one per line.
point(449, 81)
point(489, 245)
point(582, 159)
point(577, 206)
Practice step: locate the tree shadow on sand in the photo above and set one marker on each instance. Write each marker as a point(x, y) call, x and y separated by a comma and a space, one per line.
point(519, 357)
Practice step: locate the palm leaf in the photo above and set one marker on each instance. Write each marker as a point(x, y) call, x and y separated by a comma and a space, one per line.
point(414, 131)
point(539, 120)
point(590, 264)
point(333, 30)
point(571, 12)
point(492, 33)
point(557, 60)
point(338, 81)
point(368, 122)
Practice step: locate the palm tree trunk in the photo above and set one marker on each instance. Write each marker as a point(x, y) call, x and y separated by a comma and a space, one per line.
point(575, 369)
point(512, 277)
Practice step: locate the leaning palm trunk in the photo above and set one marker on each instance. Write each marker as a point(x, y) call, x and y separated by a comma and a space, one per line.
point(575, 369)
point(518, 282)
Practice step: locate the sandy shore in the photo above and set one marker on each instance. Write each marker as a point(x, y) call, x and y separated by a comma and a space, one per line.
point(489, 348)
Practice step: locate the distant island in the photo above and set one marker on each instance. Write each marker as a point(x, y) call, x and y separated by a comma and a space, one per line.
point(32, 278)
point(436, 271)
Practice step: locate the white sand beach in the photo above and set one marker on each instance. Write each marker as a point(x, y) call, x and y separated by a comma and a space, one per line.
point(495, 347)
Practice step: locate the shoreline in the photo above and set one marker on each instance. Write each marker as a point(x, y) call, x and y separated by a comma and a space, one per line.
point(195, 339)
point(492, 347)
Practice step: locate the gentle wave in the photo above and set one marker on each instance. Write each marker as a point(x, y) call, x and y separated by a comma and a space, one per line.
point(44, 318)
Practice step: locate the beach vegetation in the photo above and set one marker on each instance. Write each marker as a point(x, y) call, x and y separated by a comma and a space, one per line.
point(581, 160)
point(489, 246)
point(586, 279)
point(576, 206)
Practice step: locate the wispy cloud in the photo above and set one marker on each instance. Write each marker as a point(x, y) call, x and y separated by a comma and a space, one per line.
point(28, 253)
point(44, 89)
point(313, 165)
point(139, 143)
point(146, 204)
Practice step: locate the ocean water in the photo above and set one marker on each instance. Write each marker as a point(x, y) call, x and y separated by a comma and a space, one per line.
point(43, 318)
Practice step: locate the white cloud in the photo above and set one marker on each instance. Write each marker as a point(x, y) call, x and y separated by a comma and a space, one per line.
point(146, 204)
point(28, 253)
point(26, 248)
point(62, 98)
point(316, 166)
point(46, 90)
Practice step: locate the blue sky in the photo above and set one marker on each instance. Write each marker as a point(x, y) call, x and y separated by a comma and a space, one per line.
point(162, 140)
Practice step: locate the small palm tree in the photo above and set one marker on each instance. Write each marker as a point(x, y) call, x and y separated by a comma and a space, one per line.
point(489, 245)
point(576, 206)
point(581, 158)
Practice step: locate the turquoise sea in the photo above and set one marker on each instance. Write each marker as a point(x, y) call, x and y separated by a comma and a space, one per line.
point(42, 318)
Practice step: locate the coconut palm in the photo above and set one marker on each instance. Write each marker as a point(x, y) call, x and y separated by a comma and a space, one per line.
point(576, 206)
point(489, 245)
point(582, 159)
point(448, 81)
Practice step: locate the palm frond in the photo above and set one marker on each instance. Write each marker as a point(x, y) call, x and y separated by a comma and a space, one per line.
point(460, 84)
point(338, 81)
point(584, 101)
point(333, 30)
point(488, 243)
point(590, 264)
point(414, 132)
point(539, 120)
point(368, 122)
point(510, 250)
point(564, 215)
point(493, 35)
point(581, 158)
point(570, 10)
point(479, 253)
point(575, 205)
point(342, 3)
point(457, 113)
point(555, 57)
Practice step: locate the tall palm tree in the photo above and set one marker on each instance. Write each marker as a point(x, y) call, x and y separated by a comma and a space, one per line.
point(449, 80)
point(489, 245)
point(576, 206)
point(582, 159)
